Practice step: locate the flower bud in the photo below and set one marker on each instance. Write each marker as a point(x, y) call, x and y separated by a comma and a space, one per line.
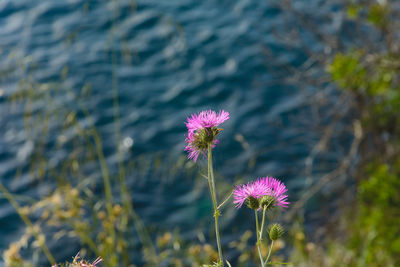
point(252, 203)
point(267, 202)
point(117, 209)
point(275, 231)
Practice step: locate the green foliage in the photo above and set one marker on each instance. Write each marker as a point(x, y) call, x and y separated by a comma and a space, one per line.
point(377, 15)
point(373, 80)
point(347, 70)
point(371, 77)
point(353, 10)
point(376, 232)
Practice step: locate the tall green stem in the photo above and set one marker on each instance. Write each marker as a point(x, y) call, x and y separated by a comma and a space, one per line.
point(262, 223)
point(211, 184)
point(259, 239)
point(269, 253)
point(272, 241)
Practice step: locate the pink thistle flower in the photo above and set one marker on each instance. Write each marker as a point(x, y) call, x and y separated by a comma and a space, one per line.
point(202, 130)
point(206, 119)
point(243, 193)
point(275, 189)
point(264, 191)
point(78, 262)
point(93, 264)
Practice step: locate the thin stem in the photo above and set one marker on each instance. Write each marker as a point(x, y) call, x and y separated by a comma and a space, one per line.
point(262, 223)
point(114, 77)
point(257, 228)
point(258, 240)
point(270, 250)
point(105, 172)
point(259, 253)
point(142, 232)
point(140, 229)
point(220, 205)
point(28, 222)
point(211, 184)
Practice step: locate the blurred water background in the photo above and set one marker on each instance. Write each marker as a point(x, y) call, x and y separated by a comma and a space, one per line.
point(166, 60)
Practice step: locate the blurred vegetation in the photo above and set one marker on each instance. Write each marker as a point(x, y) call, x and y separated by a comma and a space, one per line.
point(98, 212)
point(370, 76)
point(92, 211)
